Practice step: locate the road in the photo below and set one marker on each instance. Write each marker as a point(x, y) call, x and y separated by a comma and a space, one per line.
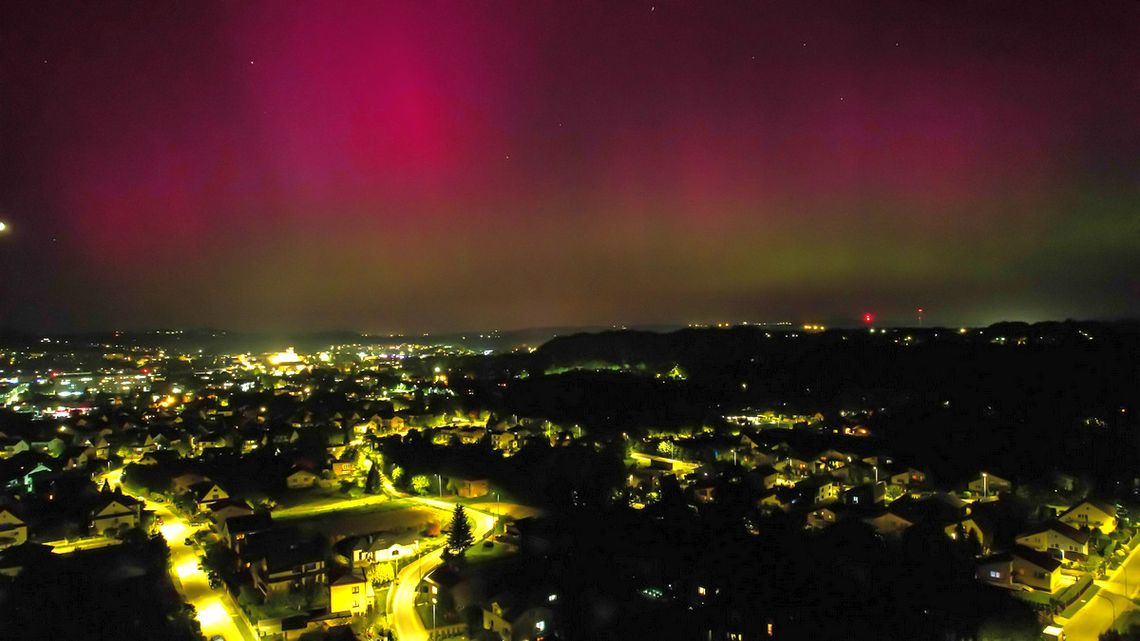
point(217, 612)
point(402, 597)
point(1113, 600)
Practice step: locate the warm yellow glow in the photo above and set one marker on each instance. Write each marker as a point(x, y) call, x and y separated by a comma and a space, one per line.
point(284, 358)
point(212, 613)
point(187, 569)
point(173, 531)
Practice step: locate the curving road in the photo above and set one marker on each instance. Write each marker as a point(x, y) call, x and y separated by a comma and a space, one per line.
point(1111, 602)
point(402, 596)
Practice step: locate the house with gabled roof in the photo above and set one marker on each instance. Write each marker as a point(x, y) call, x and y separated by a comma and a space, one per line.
point(1056, 535)
point(115, 510)
point(1091, 515)
point(1021, 567)
point(351, 592)
point(206, 493)
point(13, 529)
point(888, 524)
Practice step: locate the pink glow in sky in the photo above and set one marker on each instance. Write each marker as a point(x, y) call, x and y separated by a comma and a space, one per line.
point(406, 166)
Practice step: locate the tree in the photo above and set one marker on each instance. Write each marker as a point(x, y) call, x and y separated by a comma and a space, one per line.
point(372, 485)
point(460, 538)
point(421, 484)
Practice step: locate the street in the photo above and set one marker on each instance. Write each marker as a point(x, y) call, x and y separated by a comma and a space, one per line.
point(217, 612)
point(1113, 600)
point(402, 596)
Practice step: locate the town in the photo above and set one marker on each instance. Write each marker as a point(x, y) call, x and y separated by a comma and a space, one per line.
point(396, 489)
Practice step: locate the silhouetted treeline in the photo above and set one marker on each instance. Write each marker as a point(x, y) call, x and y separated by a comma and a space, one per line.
point(1014, 399)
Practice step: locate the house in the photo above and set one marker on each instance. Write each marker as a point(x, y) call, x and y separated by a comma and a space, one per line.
point(1022, 567)
point(221, 511)
point(114, 511)
point(343, 468)
point(888, 524)
point(351, 592)
point(767, 477)
point(792, 466)
point(865, 495)
point(906, 477)
point(236, 529)
point(381, 548)
point(13, 530)
point(821, 518)
point(704, 491)
point(14, 559)
point(12, 445)
point(939, 509)
point(781, 498)
point(206, 493)
point(989, 485)
point(300, 478)
point(471, 488)
point(183, 482)
point(511, 617)
point(281, 561)
point(504, 441)
point(975, 527)
point(1091, 514)
point(1056, 536)
point(819, 490)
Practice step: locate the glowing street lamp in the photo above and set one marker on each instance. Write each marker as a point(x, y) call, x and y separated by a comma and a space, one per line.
point(3, 227)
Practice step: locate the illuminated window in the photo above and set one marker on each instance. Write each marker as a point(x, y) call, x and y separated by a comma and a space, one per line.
point(994, 574)
point(540, 626)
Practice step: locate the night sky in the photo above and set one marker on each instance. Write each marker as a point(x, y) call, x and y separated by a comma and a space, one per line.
point(429, 166)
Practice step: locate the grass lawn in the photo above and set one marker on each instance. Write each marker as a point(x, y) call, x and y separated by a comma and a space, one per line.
point(479, 554)
point(1039, 598)
point(399, 515)
point(309, 496)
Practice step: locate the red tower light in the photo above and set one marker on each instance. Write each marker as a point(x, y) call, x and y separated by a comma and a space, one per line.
point(868, 318)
